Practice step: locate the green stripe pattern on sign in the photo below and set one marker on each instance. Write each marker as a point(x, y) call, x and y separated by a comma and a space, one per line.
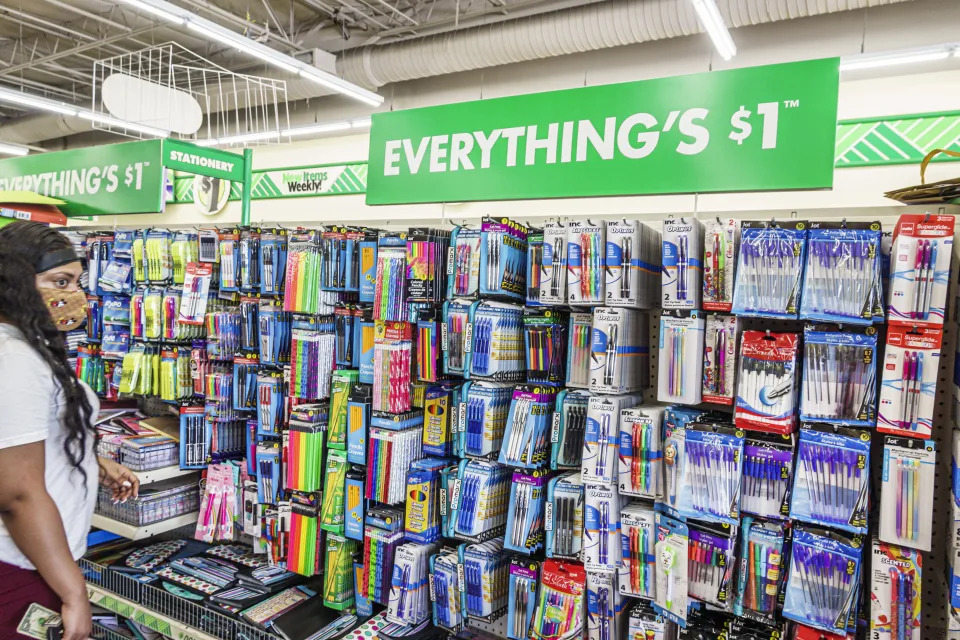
point(345, 179)
point(896, 140)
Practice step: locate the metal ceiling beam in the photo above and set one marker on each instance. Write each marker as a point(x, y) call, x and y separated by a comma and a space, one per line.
point(241, 22)
point(36, 20)
point(276, 20)
point(398, 12)
point(78, 49)
point(89, 14)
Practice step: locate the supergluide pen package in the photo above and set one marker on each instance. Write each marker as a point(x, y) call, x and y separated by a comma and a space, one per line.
point(565, 516)
point(526, 436)
point(681, 359)
point(605, 606)
point(601, 528)
point(839, 377)
point(553, 278)
point(503, 256)
point(454, 338)
point(637, 573)
point(831, 482)
point(463, 262)
point(719, 259)
point(770, 269)
point(842, 271)
point(895, 592)
point(767, 382)
point(641, 452)
point(601, 443)
point(721, 334)
point(559, 613)
point(712, 471)
point(524, 578)
point(578, 350)
point(482, 418)
point(682, 269)
point(672, 569)
point(632, 265)
point(496, 342)
point(920, 269)
point(545, 344)
point(525, 518)
point(906, 495)
point(586, 258)
point(908, 385)
point(619, 351)
point(763, 569)
point(712, 557)
point(767, 474)
point(568, 428)
point(479, 500)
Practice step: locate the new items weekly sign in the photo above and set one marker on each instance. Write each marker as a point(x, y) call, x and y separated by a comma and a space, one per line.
point(759, 128)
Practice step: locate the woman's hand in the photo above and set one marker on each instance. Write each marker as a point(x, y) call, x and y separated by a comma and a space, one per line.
point(122, 482)
point(77, 620)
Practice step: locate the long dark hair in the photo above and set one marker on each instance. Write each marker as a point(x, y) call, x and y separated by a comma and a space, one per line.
point(22, 244)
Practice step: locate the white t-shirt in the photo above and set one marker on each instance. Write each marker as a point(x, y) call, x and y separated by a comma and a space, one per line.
point(30, 412)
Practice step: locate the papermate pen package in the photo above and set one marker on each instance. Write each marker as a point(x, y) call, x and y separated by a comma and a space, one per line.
point(522, 589)
point(553, 278)
point(586, 257)
point(641, 452)
point(601, 530)
point(682, 270)
point(565, 516)
point(671, 556)
point(601, 443)
point(720, 340)
point(710, 485)
point(619, 351)
point(680, 362)
point(719, 259)
point(906, 495)
point(503, 256)
point(895, 593)
point(920, 269)
point(908, 384)
point(605, 606)
point(637, 574)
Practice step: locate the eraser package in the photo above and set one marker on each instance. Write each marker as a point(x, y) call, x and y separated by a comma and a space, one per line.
point(637, 574)
point(719, 259)
point(580, 336)
point(680, 364)
point(768, 382)
point(672, 552)
point(641, 452)
point(568, 429)
point(525, 520)
point(463, 263)
point(560, 602)
point(710, 485)
point(711, 556)
point(842, 270)
point(920, 269)
point(526, 438)
point(605, 618)
point(586, 257)
point(763, 569)
point(524, 575)
point(767, 469)
point(906, 495)
point(908, 386)
point(619, 351)
point(565, 516)
point(839, 377)
point(769, 270)
point(895, 593)
point(719, 358)
point(553, 280)
point(632, 265)
point(503, 256)
point(682, 270)
point(601, 444)
point(601, 529)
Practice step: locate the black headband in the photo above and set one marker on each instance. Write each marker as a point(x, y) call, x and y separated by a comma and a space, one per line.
point(55, 259)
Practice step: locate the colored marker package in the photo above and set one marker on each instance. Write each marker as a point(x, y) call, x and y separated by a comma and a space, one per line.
point(559, 611)
point(719, 259)
point(680, 362)
point(525, 517)
point(586, 258)
point(601, 529)
point(842, 270)
point(534, 267)
point(601, 443)
point(906, 494)
point(839, 377)
point(605, 606)
point(671, 556)
point(524, 577)
point(641, 452)
point(895, 593)
point(763, 570)
point(720, 338)
point(767, 382)
point(579, 349)
point(712, 557)
point(637, 574)
point(682, 270)
point(920, 269)
point(646, 624)
point(553, 279)
point(463, 262)
point(568, 429)
point(908, 385)
point(619, 351)
point(503, 256)
point(770, 269)
point(713, 463)
point(767, 471)
point(525, 439)
point(565, 516)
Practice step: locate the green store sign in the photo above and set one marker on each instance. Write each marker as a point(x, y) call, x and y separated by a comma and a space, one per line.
point(291, 182)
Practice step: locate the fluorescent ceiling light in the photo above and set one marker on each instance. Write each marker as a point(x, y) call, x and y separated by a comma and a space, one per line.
point(209, 142)
point(316, 128)
point(341, 86)
point(249, 137)
point(157, 11)
point(243, 44)
point(123, 124)
point(716, 28)
point(360, 123)
point(13, 149)
point(27, 100)
point(873, 61)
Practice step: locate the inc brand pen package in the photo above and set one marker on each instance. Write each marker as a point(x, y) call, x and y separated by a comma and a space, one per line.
point(586, 257)
point(682, 269)
point(605, 606)
point(895, 593)
point(601, 444)
point(619, 351)
point(637, 574)
point(641, 452)
point(632, 265)
point(601, 529)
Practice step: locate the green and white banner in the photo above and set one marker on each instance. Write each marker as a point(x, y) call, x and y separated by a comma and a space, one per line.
point(896, 139)
point(291, 182)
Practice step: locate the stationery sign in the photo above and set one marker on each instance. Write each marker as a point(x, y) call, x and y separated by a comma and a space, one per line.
point(760, 128)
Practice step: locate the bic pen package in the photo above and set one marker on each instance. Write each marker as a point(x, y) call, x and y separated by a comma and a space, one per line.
point(553, 280)
point(672, 569)
point(408, 602)
point(534, 266)
point(906, 495)
point(463, 262)
point(719, 258)
point(619, 351)
point(486, 574)
point(842, 270)
point(545, 345)
point(559, 612)
point(839, 377)
point(682, 248)
point(567, 431)
point(767, 470)
point(524, 577)
point(426, 266)
point(768, 382)
point(712, 560)
point(641, 453)
point(895, 593)
point(454, 336)
point(908, 386)
point(632, 265)
point(525, 518)
point(605, 607)
point(637, 574)
point(503, 258)
point(445, 591)
point(482, 418)
point(680, 362)
point(578, 351)
point(565, 516)
point(824, 579)
point(586, 257)
point(526, 436)
point(712, 472)
point(479, 500)
point(763, 570)
point(496, 351)
point(601, 442)
point(920, 269)
point(601, 528)
point(770, 269)
point(390, 291)
point(719, 358)
point(831, 483)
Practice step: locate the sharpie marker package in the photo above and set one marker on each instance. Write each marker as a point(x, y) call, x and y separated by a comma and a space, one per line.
point(503, 256)
point(525, 440)
point(721, 334)
point(637, 574)
point(619, 351)
point(768, 382)
point(641, 452)
point(559, 611)
point(454, 337)
point(839, 377)
point(767, 470)
point(906, 495)
point(545, 345)
point(524, 578)
point(586, 258)
point(496, 345)
point(763, 570)
point(842, 269)
point(553, 270)
point(646, 624)
point(605, 606)
point(682, 270)
point(463, 263)
point(601, 444)
point(769, 270)
point(672, 569)
point(710, 485)
point(712, 557)
point(565, 516)
point(579, 349)
point(719, 259)
point(920, 269)
point(895, 593)
point(568, 429)
point(525, 519)
point(908, 385)
point(534, 267)
point(601, 529)
point(680, 363)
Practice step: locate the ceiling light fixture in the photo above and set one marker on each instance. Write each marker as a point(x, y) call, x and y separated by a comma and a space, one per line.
point(341, 86)
point(247, 137)
point(27, 100)
point(13, 149)
point(157, 11)
point(892, 58)
point(123, 124)
point(245, 45)
point(361, 123)
point(316, 128)
point(716, 28)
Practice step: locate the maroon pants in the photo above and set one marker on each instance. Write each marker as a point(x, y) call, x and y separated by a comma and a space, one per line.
point(19, 588)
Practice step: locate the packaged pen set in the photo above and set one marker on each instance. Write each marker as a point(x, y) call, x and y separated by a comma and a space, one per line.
point(842, 274)
point(710, 473)
point(601, 528)
point(524, 578)
point(445, 590)
point(641, 452)
point(525, 517)
point(586, 259)
point(767, 473)
point(906, 492)
point(606, 611)
point(564, 517)
point(720, 341)
point(408, 602)
point(632, 265)
point(767, 382)
point(568, 428)
point(719, 259)
point(680, 362)
point(712, 551)
point(496, 345)
point(479, 500)
point(580, 336)
point(534, 266)
point(770, 269)
point(545, 345)
point(463, 263)
point(762, 576)
point(908, 387)
point(601, 442)
point(619, 351)
point(553, 270)
point(560, 612)
point(671, 550)
point(485, 578)
point(920, 258)
point(454, 336)
point(482, 418)
point(526, 436)
point(895, 592)
point(839, 377)
point(682, 270)
point(503, 257)
point(637, 573)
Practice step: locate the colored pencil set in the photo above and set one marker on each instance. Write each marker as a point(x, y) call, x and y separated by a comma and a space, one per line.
point(304, 263)
point(428, 349)
point(390, 290)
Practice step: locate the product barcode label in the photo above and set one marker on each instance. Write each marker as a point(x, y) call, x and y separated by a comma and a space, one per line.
point(549, 517)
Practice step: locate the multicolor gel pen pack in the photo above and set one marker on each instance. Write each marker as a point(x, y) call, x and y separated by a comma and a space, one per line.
point(586, 260)
point(908, 385)
point(895, 593)
point(920, 269)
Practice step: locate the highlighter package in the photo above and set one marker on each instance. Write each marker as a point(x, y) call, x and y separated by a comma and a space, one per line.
point(641, 452)
point(895, 593)
point(601, 442)
point(553, 269)
point(671, 557)
point(920, 269)
point(586, 257)
point(908, 385)
point(682, 249)
point(601, 529)
point(906, 494)
point(637, 574)
point(719, 259)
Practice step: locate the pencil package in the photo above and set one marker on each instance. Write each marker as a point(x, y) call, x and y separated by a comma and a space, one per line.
point(641, 452)
point(392, 353)
point(712, 471)
point(367, 255)
point(601, 442)
point(842, 271)
point(646, 624)
point(565, 516)
point(463, 263)
point(524, 577)
point(605, 606)
point(390, 290)
point(454, 337)
point(344, 380)
point(534, 266)
point(358, 423)
point(908, 387)
point(637, 574)
point(409, 602)
point(719, 259)
point(721, 334)
point(763, 570)
point(767, 382)
point(682, 270)
point(586, 259)
point(355, 504)
point(525, 438)
point(767, 474)
point(553, 278)
point(906, 494)
point(578, 350)
point(426, 264)
point(770, 269)
point(503, 256)
point(545, 343)
point(390, 453)
point(619, 351)
point(445, 591)
point(920, 269)
point(895, 593)
point(831, 482)
point(568, 428)
point(479, 500)
point(525, 517)
point(672, 569)
point(680, 363)
point(338, 582)
point(482, 418)
point(366, 346)
point(626, 273)
point(496, 344)
point(332, 512)
point(559, 611)
point(601, 528)
point(437, 432)
point(839, 377)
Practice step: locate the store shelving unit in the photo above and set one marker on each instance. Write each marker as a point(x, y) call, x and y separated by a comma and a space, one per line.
point(133, 532)
point(164, 473)
point(151, 619)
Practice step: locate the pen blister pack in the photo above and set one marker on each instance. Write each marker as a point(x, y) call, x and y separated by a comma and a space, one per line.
point(565, 516)
point(273, 260)
point(568, 428)
point(601, 528)
point(763, 570)
point(249, 272)
point(524, 576)
point(831, 482)
point(559, 611)
point(839, 377)
point(842, 272)
point(641, 452)
point(769, 269)
point(274, 333)
point(196, 290)
point(908, 386)
point(390, 290)
point(645, 623)
point(553, 278)
point(712, 471)
point(586, 258)
point(712, 557)
point(767, 474)
point(767, 382)
point(681, 275)
point(605, 607)
point(426, 264)
point(486, 572)
point(578, 350)
point(269, 479)
point(495, 338)
point(895, 593)
point(637, 574)
point(545, 345)
point(920, 269)
point(721, 333)
point(482, 418)
point(463, 262)
point(719, 259)
point(408, 602)
point(601, 442)
point(619, 351)
point(503, 258)
point(479, 499)
point(454, 337)
point(526, 436)
point(445, 591)
point(632, 264)
point(525, 517)
point(680, 362)
point(534, 266)
point(906, 494)
point(672, 569)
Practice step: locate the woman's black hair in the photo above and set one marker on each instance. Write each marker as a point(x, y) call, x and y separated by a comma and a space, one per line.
point(22, 245)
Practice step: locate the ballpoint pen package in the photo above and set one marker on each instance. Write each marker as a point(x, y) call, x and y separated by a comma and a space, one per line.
point(524, 577)
point(586, 257)
point(486, 572)
point(712, 557)
point(906, 494)
point(565, 516)
point(719, 259)
point(682, 270)
point(646, 624)
point(842, 270)
point(605, 606)
point(526, 436)
point(274, 332)
point(358, 423)
point(482, 418)
point(637, 574)
point(545, 345)
point(578, 351)
point(422, 517)
point(269, 480)
point(355, 505)
point(338, 249)
point(767, 382)
point(895, 593)
point(496, 344)
point(680, 362)
point(601, 528)
point(534, 267)
point(463, 263)
point(920, 269)
point(568, 428)
point(619, 351)
point(625, 285)
point(831, 482)
point(713, 462)
point(601, 442)
point(763, 570)
point(767, 473)
point(641, 452)
point(448, 480)
point(839, 377)
point(525, 519)
point(454, 337)
point(390, 290)
point(770, 269)
point(445, 591)
point(553, 280)
point(196, 289)
point(426, 264)
point(674, 457)
point(721, 333)
point(273, 260)
point(503, 257)
point(559, 611)
point(250, 257)
point(824, 579)
point(479, 500)
point(672, 569)
point(245, 385)
point(408, 602)
point(437, 432)
point(908, 385)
